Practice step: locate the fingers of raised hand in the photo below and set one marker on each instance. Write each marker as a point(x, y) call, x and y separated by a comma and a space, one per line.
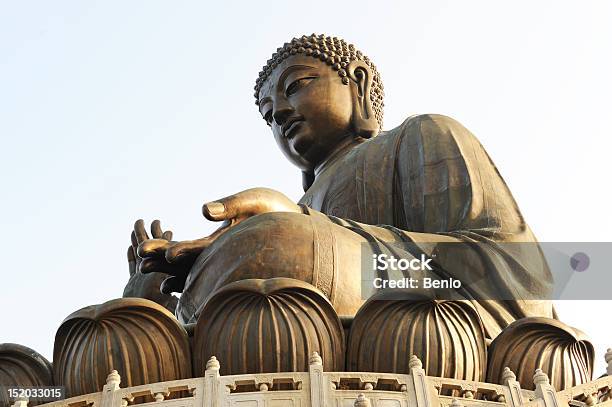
point(131, 256)
point(140, 232)
point(134, 240)
point(158, 233)
point(156, 230)
point(145, 254)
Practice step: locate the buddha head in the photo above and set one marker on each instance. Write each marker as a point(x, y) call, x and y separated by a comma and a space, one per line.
point(317, 93)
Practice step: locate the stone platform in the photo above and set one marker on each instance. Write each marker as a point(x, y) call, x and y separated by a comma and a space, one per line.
point(317, 388)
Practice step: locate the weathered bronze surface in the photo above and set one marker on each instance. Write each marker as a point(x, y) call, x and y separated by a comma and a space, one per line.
point(429, 178)
point(137, 337)
point(278, 280)
point(386, 332)
point(148, 285)
point(563, 352)
point(22, 367)
point(247, 322)
point(428, 181)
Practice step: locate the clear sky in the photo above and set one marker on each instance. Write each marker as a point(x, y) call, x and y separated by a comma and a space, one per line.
point(114, 110)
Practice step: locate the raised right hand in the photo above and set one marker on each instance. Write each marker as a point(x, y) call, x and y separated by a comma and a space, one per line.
point(148, 256)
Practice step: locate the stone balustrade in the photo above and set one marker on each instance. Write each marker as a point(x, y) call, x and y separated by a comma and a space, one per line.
point(317, 388)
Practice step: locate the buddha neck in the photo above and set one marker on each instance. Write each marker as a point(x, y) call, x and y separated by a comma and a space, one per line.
point(339, 151)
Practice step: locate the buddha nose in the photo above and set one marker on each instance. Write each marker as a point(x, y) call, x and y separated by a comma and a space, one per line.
point(282, 113)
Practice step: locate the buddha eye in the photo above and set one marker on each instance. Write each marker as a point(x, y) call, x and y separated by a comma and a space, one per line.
point(298, 84)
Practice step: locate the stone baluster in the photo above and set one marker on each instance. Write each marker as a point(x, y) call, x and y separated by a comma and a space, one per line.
point(362, 401)
point(317, 389)
point(516, 395)
point(419, 381)
point(213, 396)
point(468, 394)
point(544, 390)
point(110, 388)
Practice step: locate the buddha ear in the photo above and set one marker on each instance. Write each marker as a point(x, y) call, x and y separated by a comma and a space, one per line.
point(364, 120)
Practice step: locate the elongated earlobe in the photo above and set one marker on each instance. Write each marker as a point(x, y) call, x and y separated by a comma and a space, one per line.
point(364, 119)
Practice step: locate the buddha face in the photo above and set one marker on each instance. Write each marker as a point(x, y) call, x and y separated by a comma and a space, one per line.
point(308, 108)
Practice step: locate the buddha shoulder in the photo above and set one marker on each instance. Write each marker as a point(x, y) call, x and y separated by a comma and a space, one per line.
point(429, 126)
point(431, 136)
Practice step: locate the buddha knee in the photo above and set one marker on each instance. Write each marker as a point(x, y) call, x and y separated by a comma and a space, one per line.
point(257, 248)
point(275, 229)
point(562, 352)
point(279, 220)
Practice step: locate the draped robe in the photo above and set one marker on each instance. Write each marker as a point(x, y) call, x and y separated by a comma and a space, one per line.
point(429, 182)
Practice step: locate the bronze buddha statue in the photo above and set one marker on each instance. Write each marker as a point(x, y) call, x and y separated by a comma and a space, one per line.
point(428, 182)
point(279, 280)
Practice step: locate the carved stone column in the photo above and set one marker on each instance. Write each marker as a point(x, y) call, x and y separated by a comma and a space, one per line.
point(544, 390)
point(317, 387)
point(108, 392)
point(211, 383)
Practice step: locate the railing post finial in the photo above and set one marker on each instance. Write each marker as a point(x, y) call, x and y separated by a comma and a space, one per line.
point(113, 379)
point(415, 362)
point(213, 364)
point(507, 375)
point(112, 385)
point(540, 377)
point(362, 401)
point(315, 359)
